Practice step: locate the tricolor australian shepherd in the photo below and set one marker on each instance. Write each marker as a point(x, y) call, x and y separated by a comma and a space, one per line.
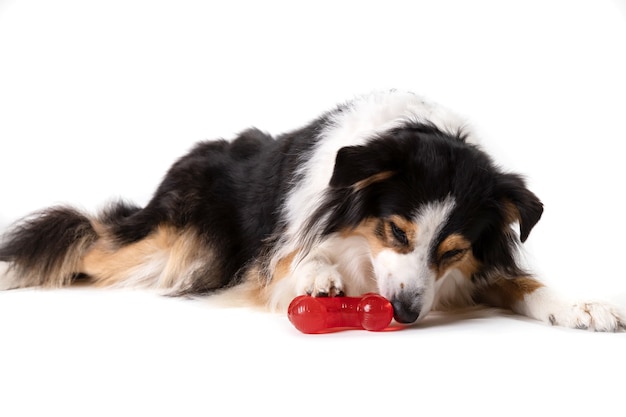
point(388, 193)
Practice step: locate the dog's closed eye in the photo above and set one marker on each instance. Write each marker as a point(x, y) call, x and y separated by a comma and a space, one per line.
point(398, 234)
point(451, 255)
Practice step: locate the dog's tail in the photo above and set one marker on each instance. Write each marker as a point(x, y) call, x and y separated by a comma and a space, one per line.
point(122, 246)
point(47, 247)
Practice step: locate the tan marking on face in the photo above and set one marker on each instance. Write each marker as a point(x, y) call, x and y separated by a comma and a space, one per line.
point(408, 227)
point(368, 230)
point(379, 234)
point(469, 265)
point(464, 260)
point(381, 176)
point(453, 242)
point(505, 292)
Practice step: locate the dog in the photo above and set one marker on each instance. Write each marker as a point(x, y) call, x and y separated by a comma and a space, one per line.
point(387, 193)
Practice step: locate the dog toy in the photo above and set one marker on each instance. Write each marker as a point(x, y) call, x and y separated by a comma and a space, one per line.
point(320, 314)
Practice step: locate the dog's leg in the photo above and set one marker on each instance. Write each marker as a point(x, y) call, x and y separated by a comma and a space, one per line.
point(528, 297)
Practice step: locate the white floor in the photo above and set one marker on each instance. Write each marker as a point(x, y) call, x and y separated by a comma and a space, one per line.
point(97, 99)
point(101, 353)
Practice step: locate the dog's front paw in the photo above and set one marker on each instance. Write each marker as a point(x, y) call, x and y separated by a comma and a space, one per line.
point(319, 280)
point(597, 316)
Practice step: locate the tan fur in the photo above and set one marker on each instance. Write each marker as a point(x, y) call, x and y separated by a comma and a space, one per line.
point(253, 291)
point(165, 259)
point(511, 213)
point(454, 241)
point(107, 264)
point(506, 292)
point(464, 262)
point(187, 254)
point(469, 265)
point(367, 230)
point(379, 236)
point(257, 286)
point(381, 176)
point(409, 228)
point(283, 267)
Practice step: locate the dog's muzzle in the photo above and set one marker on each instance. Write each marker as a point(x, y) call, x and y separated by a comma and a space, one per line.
point(407, 307)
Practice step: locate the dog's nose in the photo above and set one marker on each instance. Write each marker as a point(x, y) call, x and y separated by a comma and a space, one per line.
point(406, 308)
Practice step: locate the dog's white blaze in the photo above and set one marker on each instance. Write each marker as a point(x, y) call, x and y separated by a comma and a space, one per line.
point(410, 273)
point(353, 125)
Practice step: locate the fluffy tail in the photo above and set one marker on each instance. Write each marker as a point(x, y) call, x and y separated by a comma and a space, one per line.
point(45, 249)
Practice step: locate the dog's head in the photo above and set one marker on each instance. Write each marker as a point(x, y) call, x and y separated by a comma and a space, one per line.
point(431, 206)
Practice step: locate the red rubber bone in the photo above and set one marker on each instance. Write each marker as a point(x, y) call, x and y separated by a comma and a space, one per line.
point(320, 314)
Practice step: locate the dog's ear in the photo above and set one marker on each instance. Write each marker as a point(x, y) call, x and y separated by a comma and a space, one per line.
point(520, 204)
point(360, 166)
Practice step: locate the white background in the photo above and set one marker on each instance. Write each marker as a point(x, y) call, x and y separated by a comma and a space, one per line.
point(97, 99)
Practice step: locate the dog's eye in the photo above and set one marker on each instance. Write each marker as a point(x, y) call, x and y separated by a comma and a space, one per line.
point(399, 234)
point(451, 254)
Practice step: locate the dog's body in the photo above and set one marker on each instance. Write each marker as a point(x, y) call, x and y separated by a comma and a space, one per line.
point(388, 193)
